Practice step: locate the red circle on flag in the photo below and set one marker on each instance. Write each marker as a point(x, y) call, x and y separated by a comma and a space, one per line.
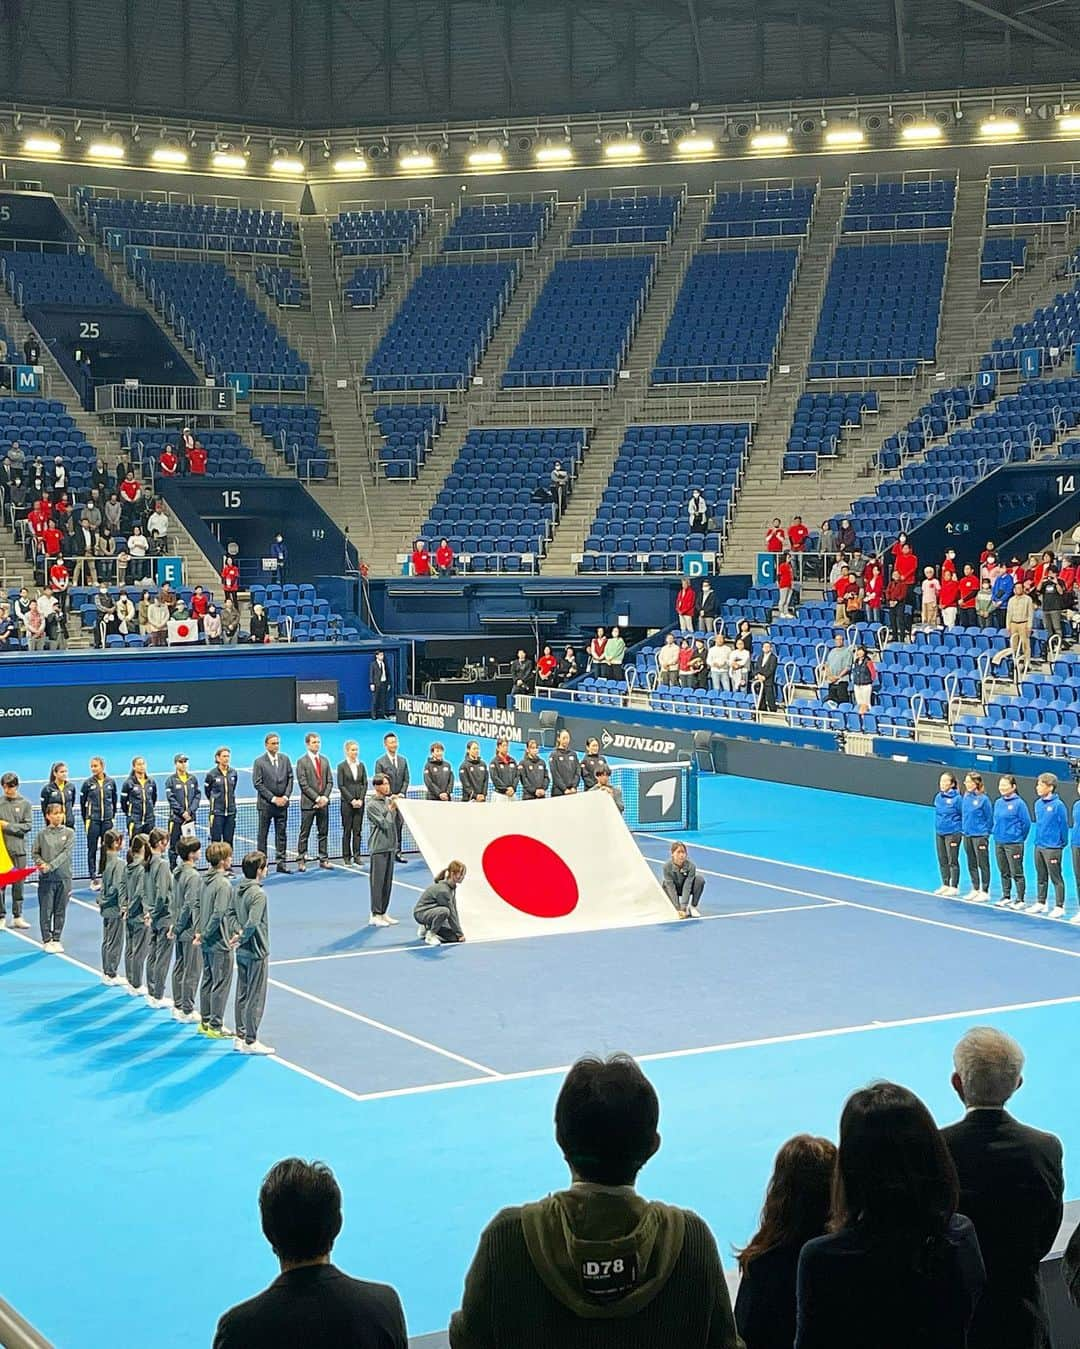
point(182, 629)
point(530, 876)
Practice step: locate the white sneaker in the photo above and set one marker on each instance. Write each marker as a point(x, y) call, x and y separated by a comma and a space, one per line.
point(695, 912)
point(257, 1047)
point(192, 1017)
point(1004, 903)
point(390, 922)
point(942, 890)
point(379, 920)
point(421, 932)
point(1075, 919)
point(141, 992)
point(979, 896)
point(241, 1046)
point(95, 884)
point(1058, 911)
point(430, 939)
point(951, 892)
point(47, 946)
point(20, 923)
point(111, 979)
point(973, 894)
point(177, 1014)
point(1039, 908)
point(155, 1003)
point(1018, 905)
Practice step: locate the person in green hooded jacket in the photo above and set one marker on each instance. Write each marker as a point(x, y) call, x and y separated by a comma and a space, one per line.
point(597, 1265)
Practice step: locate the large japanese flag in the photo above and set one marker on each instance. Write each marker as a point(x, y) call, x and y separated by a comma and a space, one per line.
point(563, 864)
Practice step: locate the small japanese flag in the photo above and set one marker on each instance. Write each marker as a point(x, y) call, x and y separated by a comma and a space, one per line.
point(563, 864)
point(183, 630)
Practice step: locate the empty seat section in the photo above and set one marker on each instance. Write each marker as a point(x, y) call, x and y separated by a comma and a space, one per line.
point(443, 327)
point(900, 206)
point(282, 285)
point(44, 430)
point(757, 213)
point(1053, 330)
point(1001, 257)
point(56, 278)
point(726, 321)
point(582, 325)
point(507, 225)
point(819, 424)
point(378, 231)
point(159, 224)
point(365, 286)
point(627, 220)
point(880, 312)
point(945, 409)
point(1033, 198)
point(295, 433)
point(408, 431)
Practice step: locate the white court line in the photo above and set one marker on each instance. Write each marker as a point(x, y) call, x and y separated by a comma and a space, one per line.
point(389, 1030)
point(873, 908)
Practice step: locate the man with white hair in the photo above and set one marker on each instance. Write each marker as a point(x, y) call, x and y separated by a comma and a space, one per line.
point(1011, 1187)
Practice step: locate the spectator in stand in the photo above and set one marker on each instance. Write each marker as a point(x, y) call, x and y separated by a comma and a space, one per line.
point(129, 492)
point(785, 584)
point(99, 477)
point(125, 613)
point(7, 628)
point(902, 1265)
point(827, 540)
point(686, 651)
point(23, 602)
point(546, 667)
point(39, 478)
point(1019, 621)
point(32, 349)
point(35, 627)
point(949, 595)
point(764, 677)
point(853, 604)
point(1002, 586)
point(707, 613)
point(196, 460)
point(230, 622)
point(420, 561)
point(836, 670)
point(85, 569)
point(797, 534)
point(16, 457)
point(719, 663)
point(560, 480)
point(311, 1302)
point(614, 654)
point(931, 590)
point(652, 1277)
point(280, 553)
point(743, 631)
point(740, 666)
point(187, 444)
point(200, 603)
point(845, 536)
point(157, 527)
point(144, 610)
point(775, 537)
point(1011, 1187)
point(138, 547)
point(230, 580)
point(686, 605)
point(259, 627)
point(862, 676)
point(697, 511)
point(113, 513)
point(58, 477)
point(522, 672)
point(984, 603)
point(907, 564)
point(444, 558)
point(875, 591)
point(17, 496)
point(897, 593)
point(1052, 599)
point(844, 585)
point(568, 666)
point(597, 648)
point(667, 660)
point(60, 584)
point(157, 621)
point(38, 516)
point(168, 463)
point(796, 1210)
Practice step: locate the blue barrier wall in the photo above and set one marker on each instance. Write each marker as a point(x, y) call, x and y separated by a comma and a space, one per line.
point(32, 215)
point(552, 607)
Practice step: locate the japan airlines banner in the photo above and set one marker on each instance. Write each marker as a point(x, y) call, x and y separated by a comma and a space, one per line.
point(563, 864)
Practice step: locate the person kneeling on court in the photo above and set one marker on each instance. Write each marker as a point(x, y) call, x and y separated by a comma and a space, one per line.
point(682, 884)
point(212, 937)
point(436, 914)
point(596, 1265)
point(249, 924)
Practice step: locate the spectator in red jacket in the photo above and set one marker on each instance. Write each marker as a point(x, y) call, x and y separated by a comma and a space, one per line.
point(797, 534)
point(546, 667)
point(989, 551)
point(1041, 569)
point(38, 519)
point(444, 558)
point(949, 596)
point(52, 540)
point(196, 460)
point(907, 564)
point(129, 488)
point(897, 594)
point(775, 538)
point(968, 588)
point(230, 579)
point(875, 591)
point(785, 583)
point(421, 559)
point(686, 605)
point(200, 602)
point(168, 463)
point(845, 585)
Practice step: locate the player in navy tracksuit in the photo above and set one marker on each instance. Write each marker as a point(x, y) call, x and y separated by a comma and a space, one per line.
point(138, 797)
point(977, 812)
point(1051, 835)
point(97, 805)
point(59, 789)
point(221, 794)
point(1012, 824)
point(182, 794)
point(1074, 839)
point(948, 831)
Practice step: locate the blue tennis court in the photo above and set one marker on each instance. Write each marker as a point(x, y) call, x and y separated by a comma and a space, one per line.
point(427, 1076)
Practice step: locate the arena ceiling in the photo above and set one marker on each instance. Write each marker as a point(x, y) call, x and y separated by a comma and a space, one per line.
point(370, 63)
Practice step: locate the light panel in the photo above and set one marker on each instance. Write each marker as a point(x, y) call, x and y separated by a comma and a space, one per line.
point(849, 135)
point(42, 145)
point(169, 154)
point(554, 154)
point(225, 159)
point(351, 164)
point(622, 149)
point(1069, 121)
point(770, 140)
point(105, 150)
point(484, 159)
point(285, 165)
point(416, 160)
point(1000, 126)
point(922, 131)
point(696, 145)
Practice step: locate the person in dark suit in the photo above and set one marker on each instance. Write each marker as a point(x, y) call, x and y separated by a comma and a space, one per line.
point(272, 778)
point(379, 684)
point(314, 777)
point(902, 1266)
point(796, 1210)
point(1011, 1187)
point(312, 1302)
point(352, 785)
point(395, 768)
point(764, 677)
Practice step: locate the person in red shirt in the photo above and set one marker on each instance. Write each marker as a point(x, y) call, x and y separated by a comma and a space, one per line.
point(775, 537)
point(686, 605)
point(897, 594)
point(949, 596)
point(874, 580)
point(444, 558)
point(129, 488)
point(948, 566)
point(989, 551)
point(845, 585)
point(196, 460)
point(168, 463)
point(51, 540)
point(546, 666)
point(797, 534)
point(1042, 567)
point(37, 519)
point(785, 583)
point(907, 564)
point(421, 559)
point(62, 506)
point(230, 579)
point(44, 507)
point(200, 602)
point(1067, 574)
point(968, 589)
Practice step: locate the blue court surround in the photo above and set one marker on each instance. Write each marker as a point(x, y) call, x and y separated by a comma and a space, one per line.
point(427, 1077)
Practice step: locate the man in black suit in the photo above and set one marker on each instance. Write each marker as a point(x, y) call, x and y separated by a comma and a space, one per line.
point(314, 775)
point(395, 768)
point(272, 778)
point(765, 677)
point(312, 1303)
point(379, 684)
point(1011, 1187)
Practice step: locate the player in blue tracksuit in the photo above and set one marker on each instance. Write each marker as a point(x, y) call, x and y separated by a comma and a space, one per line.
point(138, 797)
point(1074, 840)
point(220, 788)
point(59, 789)
point(948, 832)
point(97, 805)
point(182, 794)
point(1012, 824)
point(977, 822)
point(1051, 835)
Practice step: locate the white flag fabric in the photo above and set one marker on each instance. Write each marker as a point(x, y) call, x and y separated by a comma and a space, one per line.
point(183, 630)
point(562, 864)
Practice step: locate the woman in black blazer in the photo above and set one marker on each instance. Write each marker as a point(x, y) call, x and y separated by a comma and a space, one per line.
point(901, 1268)
point(796, 1209)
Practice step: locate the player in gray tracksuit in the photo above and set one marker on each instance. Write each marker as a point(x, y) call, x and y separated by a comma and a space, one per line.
point(436, 911)
point(382, 816)
point(184, 909)
point(249, 925)
point(112, 900)
point(158, 903)
point(213, 937)
point(564, 767)
point(681, 883)
point(17, 821)
point(136, 915)
point(438, 775)
point(53, 848)
point(473, 774)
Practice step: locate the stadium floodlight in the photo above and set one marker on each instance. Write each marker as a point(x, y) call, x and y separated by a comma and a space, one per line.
point(922, 131)
point(416, 159)
point(554, 154)
point(1000, 126)
point(42, 144)
point(484, 159)
point(622, 149)
point(1069, 121)
point(169, 154)
point(696, 145)
point(845, 135)
point(228, 159)
point(770, 140)
point(105, 150)
point(283, 164)
point(351, 164)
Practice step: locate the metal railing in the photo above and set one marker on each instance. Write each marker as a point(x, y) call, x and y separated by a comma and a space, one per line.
point(165, 398)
